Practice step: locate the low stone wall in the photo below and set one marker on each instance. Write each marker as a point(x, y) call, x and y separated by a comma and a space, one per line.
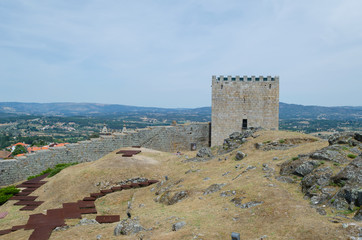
point(163, 138)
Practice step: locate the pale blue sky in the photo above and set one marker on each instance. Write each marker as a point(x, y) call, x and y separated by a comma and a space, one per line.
point(163, 52)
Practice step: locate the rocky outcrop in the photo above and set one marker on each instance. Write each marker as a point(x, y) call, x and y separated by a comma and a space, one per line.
point(352, 173)
point(300, 166)
point(331, 153)
point(236, 139)
point(350, 138)
point(342, 190)
point(282, 144)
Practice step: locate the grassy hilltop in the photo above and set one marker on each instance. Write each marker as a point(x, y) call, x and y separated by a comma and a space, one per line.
point(283, 213)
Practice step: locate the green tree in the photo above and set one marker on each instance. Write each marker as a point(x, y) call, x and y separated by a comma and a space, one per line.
point(19, 149)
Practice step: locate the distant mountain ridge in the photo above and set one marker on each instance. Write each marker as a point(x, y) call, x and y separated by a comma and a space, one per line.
point(286, 111)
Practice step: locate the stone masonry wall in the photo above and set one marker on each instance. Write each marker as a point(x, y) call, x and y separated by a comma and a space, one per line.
point(255, 99)
point(164, 138)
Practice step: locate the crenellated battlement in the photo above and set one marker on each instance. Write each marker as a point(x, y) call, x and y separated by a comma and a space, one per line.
point(222, 78)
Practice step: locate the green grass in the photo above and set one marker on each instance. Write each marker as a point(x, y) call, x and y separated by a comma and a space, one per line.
point(55, 170)
point(6, 193)
point(295, 158)
point(282, 141)
point(347, 212)
point(351, 156)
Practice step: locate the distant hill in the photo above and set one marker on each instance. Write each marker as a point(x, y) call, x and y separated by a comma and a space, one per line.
point(287, 111)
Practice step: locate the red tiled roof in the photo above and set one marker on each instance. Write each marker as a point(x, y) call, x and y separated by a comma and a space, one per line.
point(4, 154)
point(19, 143)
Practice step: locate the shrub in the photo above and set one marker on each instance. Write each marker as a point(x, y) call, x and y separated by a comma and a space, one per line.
point(42, 173)
point(295, 158)
point(6, 193)
point(351, 156)
point(53, 171)
point(282, 141)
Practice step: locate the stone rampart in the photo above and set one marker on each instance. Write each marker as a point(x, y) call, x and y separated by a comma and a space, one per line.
point(163, 138)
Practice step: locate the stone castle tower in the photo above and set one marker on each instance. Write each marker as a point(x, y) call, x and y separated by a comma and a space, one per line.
point(243, 102)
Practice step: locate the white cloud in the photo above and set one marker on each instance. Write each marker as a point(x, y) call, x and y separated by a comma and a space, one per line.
point(156, 53)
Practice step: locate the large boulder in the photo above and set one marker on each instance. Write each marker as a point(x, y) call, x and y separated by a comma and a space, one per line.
point(177, 226)
point(128, 227)
point(204, 152)
point(306, 167)
point(358, 137)
point(239, 155)
point(300, 166)
point(351, 174)
point(170, 198)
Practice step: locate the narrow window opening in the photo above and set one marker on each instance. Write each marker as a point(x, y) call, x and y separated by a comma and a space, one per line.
point(269, 86)
point(222, 86)
point(245, 124)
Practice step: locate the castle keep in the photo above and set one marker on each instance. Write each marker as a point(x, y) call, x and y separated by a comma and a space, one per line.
point(242, 102)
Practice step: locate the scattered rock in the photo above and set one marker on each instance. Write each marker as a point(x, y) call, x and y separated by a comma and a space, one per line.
point(61, 228)
point(133, 180)
point(250, 168)
point(238, 201)
point(177, 226)
point(239, 155)
point(205, 179)
point(204, 154)
point(275, 158)
point(228, 193)
point(99, 237)
point(321, 211)
point(167, 199)
point(224, 174)
point(237, 166)
point(128, 227)
point(214, 188)
point(85, 221)
point(266, 168)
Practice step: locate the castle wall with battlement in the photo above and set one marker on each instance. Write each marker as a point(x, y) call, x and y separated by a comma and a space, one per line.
point(242, 101)
point(163, 138)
